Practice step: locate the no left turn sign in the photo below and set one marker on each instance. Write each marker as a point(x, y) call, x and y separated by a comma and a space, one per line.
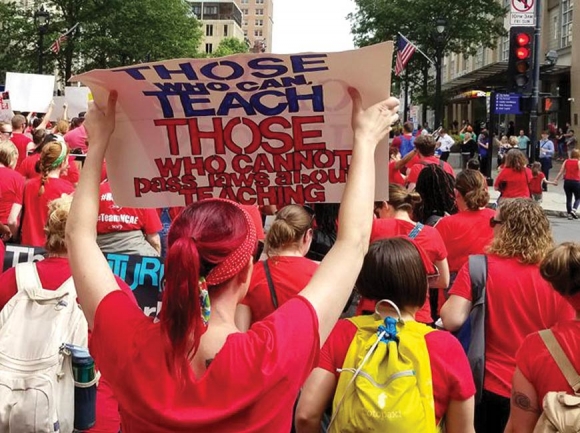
point(522, 13)
point(522, 6)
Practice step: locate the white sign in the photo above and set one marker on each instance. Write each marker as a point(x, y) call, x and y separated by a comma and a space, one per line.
point(6, 113)
point(77, 99)
point(58, 110)
point(30, 92)
point(522, 13)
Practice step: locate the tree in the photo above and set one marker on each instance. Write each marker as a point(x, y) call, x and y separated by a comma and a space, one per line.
point(18, 40)
point(229, 46)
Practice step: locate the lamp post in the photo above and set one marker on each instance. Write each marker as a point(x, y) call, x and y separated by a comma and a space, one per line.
point(41, 20)
point(440, 35)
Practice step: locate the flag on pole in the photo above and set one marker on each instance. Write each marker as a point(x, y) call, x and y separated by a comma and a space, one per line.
point(405, 51)
point(55, 47)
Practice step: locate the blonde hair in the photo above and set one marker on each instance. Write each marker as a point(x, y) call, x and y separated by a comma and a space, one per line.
point(513, 140)
point(51, 158)
point(291, 224)
point(524, 232)
point(575, 154)
point(401, 199)
point(561, 268)
point(472, 186)
point(8, 154)
point(62, 127)
point(54, 230)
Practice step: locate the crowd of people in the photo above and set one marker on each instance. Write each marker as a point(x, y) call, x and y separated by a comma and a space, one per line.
point(282, 327)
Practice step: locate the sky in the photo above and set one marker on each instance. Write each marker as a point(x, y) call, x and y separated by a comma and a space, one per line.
point(312, 25)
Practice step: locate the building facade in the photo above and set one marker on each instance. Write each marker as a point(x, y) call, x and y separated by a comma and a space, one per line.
point(257, 23)
point(220, 19)
point(467, 80)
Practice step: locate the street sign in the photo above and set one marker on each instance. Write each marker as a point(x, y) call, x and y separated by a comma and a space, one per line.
point(522, 13)
point(507, 103)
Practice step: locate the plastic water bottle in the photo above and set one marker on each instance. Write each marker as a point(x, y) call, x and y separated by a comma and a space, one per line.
point(83, 367)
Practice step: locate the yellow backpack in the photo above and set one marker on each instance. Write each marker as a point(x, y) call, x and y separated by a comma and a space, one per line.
point(385, 383)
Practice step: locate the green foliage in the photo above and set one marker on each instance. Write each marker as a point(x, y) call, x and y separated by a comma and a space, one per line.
point(111, 33)
point(229, 46)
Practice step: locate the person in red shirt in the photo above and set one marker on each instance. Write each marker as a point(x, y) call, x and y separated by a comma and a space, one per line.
point(77, 138)
point(570, 171)
point(11, 187)
point(53, 272)
point(518, 302)
point(30, 166)
point(537, 182)
point(195, 370)
point(536, 370)
point(394, 219)
point(125, 230)
point(468, 231)
point(395, 165)
point(513, 180)
point(287, 242)
point(22, 142)
point(425, 145)
point(393, 269)
point(40, 191)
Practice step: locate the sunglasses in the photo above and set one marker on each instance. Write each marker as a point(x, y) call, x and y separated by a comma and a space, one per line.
point(310, 212)
point(493, 222)
point(8, 133)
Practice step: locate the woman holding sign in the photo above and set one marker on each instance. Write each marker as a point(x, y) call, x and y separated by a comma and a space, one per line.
point(194, 371)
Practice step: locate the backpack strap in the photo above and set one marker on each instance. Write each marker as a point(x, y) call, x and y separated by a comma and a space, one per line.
point(27, 280)
point(270, 284)
point(478, 277)
point(416, 230)
point(564, 364)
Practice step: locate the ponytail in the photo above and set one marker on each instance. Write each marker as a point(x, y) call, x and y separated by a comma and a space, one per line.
point(53, 155)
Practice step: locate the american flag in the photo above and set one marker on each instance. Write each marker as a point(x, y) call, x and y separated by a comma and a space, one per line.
point(55, 47)
point(405, 51)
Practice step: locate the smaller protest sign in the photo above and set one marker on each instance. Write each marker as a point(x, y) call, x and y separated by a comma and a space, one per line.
point(6, 113)
point(30, 92)
point(77, 99)
point(58, 110)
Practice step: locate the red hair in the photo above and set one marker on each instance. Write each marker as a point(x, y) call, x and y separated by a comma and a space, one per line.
point(208, 239)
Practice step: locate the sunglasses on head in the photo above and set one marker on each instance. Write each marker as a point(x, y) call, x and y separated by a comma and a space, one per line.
point(493, 222)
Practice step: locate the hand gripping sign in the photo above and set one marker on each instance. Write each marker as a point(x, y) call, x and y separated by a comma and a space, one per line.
point(254, 128)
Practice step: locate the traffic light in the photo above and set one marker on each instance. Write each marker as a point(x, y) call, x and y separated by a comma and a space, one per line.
point(521, 60)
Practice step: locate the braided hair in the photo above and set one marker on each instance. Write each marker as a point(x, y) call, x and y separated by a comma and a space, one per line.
point(437, 190)
point(52, 157)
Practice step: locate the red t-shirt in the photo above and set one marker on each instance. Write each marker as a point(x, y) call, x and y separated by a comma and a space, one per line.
point(21, 142)
point(28, 169)
point(537, 365)
point(396, 141)
point(113, 218)
point(289, 275)
point(517, 182)
point(465, 233)
point(2, 253)
point(452, 377)
point(251, 384)
point(413, 174)
point(429, 239)
point(395, 176)
point(519, 302)
point(572, 172)
point(53, 272)
point(77, 138)
point(36, 208)
point(536, 183)
point(11, 191)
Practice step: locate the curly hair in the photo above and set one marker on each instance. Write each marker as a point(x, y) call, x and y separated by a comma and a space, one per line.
point(437, 191)
point(58, 210)
point(524, 232)
point(515, 159)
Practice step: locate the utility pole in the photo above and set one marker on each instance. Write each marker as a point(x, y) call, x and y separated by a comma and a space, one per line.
point(536, 84)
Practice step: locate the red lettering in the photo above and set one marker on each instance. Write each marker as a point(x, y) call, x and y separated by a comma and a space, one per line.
point(171, 125)
point(267, 133)
point(300, 134)
point(217, 135)
point(168, 167)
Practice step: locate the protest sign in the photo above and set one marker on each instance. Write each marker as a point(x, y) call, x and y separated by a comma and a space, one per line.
point(77, 99)
point(30, 92)
point(6, 113)
point(58, 109)
point(254, 128)
point(144, 275)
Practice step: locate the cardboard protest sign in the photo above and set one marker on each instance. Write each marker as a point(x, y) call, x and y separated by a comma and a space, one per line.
point(77, 99)
point(254, 128)
point(58, 109)
point(6, 113)
point(30, 92)
point(144, 275)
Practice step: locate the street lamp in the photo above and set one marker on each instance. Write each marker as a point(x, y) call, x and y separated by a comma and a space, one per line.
point(41, 21)
point(440, 36)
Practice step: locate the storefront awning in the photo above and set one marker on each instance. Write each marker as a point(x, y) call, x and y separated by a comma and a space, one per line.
point(474, 78)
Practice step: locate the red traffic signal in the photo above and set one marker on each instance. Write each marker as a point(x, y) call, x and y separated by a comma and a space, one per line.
point(523, 39)
point(521, 60)
point(522, 53)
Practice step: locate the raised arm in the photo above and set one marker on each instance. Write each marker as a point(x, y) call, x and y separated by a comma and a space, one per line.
point(330, 287)
point(92, 275)
point(46, 117)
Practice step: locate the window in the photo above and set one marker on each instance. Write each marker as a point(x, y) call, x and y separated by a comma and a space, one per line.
point(244, 2)
point(226, 29)
point(259, 11)
point(209, 48)
point(505, 49)
point(210, 10)
point(197, 10)
point(245, 11)
point(258, 33)
point(245, 23)
point(567, 9)
point(259, 2)
point(259, 23)
point(479, 58)
point(245, 33)
point(209, 30)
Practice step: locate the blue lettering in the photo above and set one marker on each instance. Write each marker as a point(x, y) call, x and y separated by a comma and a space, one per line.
point(118, 264)
point(248, 86)
point(150, 267)
point(164, 101)
point(256, 101)
point(237, 70)
point(134, 71)
point(262, 64)
point(188, 102)
point(233, 101)
point(301, 63)
point(184, 68)
point(317, 98)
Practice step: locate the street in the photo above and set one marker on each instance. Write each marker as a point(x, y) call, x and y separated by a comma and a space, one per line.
point(565, 230)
